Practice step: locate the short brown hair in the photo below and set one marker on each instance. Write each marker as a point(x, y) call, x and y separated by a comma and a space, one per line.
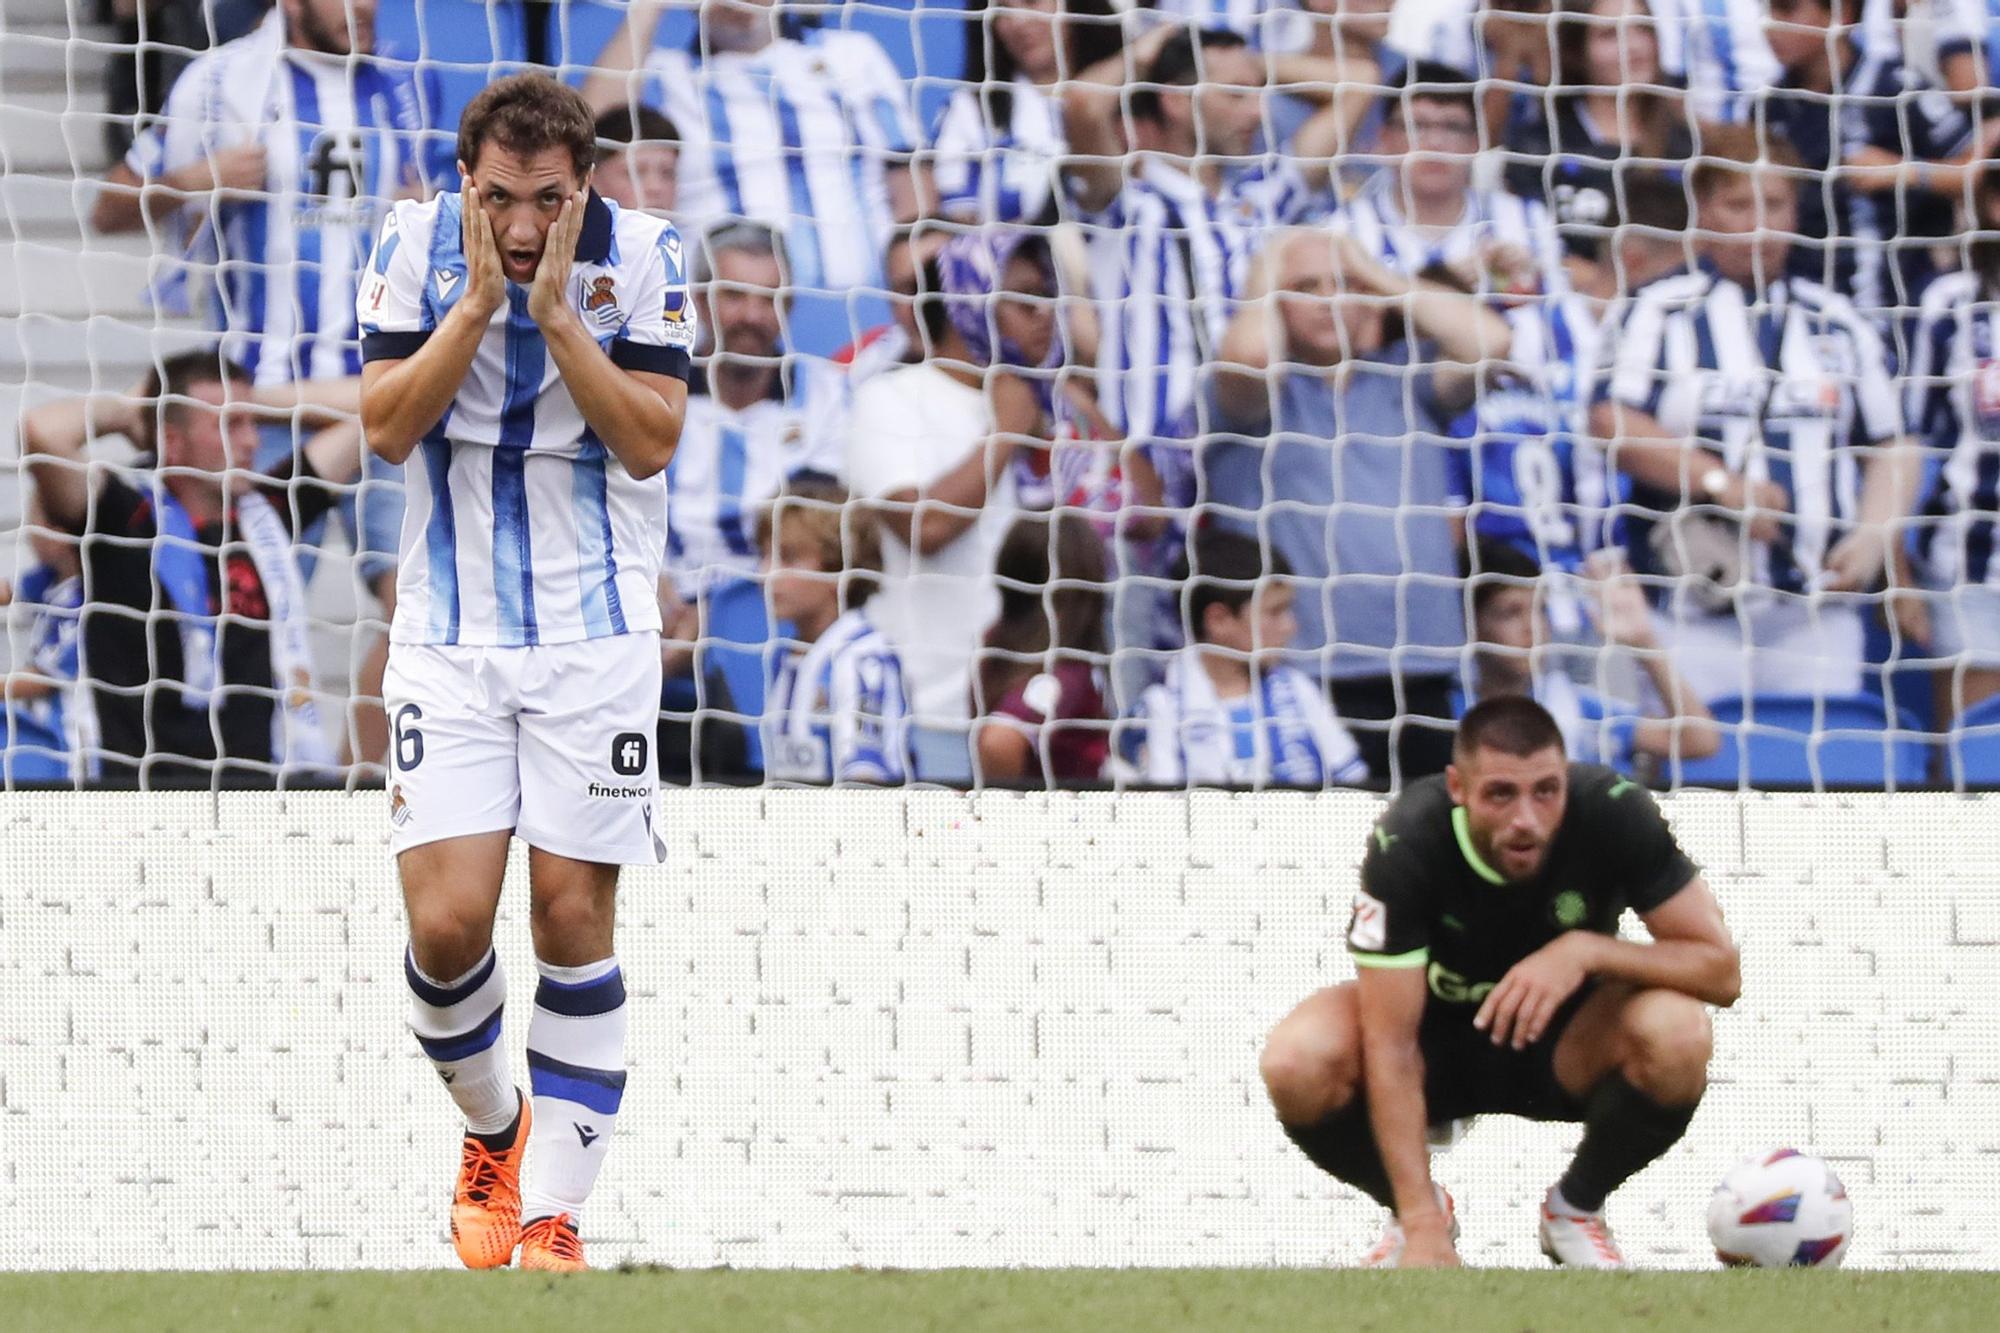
point(1726, 152)
point(1513, 724)
point(815, 509)
point(170, 382)
point(525, 114)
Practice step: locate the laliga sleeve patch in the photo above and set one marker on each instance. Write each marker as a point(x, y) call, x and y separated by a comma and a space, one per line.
point(1369, 930)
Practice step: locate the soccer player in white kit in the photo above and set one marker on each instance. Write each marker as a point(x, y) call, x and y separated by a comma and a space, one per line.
point(526, 349)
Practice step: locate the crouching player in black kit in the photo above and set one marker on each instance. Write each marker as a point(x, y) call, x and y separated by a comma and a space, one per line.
point(1491, 981)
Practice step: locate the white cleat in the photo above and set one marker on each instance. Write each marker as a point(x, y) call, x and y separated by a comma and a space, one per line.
point(1388, 1251)
point(1572, 1239)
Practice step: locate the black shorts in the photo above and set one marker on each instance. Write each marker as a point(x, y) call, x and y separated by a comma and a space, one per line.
point(1465, 1074)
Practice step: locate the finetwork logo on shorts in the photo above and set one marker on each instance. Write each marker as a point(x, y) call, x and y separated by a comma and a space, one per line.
point(628, 754)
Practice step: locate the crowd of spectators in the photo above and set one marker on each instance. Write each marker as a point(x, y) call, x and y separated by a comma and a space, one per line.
point(1214, 391)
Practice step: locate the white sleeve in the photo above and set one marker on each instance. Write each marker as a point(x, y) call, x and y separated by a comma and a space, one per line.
point(871, 85)
point(189, 126)
point(390, 307)
point(1160, 760)
point(955, 154)
point(658, 336)
point(1338, 754)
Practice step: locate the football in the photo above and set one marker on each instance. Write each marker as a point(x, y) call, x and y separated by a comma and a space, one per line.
point(1784, 1209)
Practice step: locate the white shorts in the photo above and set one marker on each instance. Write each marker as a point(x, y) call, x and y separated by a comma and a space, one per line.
point(553, 742)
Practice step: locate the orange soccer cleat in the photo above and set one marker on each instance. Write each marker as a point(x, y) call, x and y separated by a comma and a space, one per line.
point(551, 1245)
point(486, 1206)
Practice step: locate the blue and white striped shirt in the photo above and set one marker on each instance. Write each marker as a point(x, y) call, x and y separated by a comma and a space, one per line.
point(521, 528)
point(1168, 262)
point(797, 135)
point(999, 173)
point(1785, 385)
point(727, 465)
point(1954, 407)
point(1375, 217)
point(342, 137)
point(837, 711)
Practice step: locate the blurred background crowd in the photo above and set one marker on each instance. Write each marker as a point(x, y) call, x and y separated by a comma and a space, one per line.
point(1217, 392)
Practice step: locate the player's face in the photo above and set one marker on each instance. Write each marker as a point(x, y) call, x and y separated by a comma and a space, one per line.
point(641, 176)
point(1747, 219)
point(216, 433)
point(803, 590)
point(1440, 138)
point(1025, 314)
point(743, 303)
point(522, 196)
point(1513, 806)
point(335, 27)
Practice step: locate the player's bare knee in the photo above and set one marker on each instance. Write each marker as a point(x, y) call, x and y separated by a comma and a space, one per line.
point(447, 940)
point(571, 927)
point(1669, 1039)
point(1307, 1076)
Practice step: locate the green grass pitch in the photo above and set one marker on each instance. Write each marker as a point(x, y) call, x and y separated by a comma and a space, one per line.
point(964, 1301)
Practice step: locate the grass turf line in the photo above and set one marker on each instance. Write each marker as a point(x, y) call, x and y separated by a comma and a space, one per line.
point(1037, 1300)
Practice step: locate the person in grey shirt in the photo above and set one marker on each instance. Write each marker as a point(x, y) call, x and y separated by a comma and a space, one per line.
point(1330, 447)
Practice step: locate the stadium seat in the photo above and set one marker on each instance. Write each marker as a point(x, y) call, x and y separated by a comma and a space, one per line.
point(1798, 740)
point(738, 628)
point(1972, 748)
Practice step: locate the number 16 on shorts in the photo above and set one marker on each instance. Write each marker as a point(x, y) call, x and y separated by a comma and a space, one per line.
point(553, 742)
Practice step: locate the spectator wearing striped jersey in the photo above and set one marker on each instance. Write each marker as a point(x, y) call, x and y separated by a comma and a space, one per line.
point(1331, 446)
point(1520, 652)
point(1954, 409)
point(807, 131)
point(45, 729)
point(1174, 227)
point(836, 709)
point(638, 158)
point(1900, 154)
point(1423, 209)
point(1501, 46)
point(274, 159)
point(1754, 412)
point(1041, 684)
point(1715, 49)
point(998, 146)
point(1231, 711)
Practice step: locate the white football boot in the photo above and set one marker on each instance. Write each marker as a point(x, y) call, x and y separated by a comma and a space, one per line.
point(1573, 1239)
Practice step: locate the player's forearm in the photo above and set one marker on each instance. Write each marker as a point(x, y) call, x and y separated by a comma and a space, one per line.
point(403, 404)
point(635, 424)
point(1393, 1076)
point(610, 83)
point(1710, 972)
point(1889, 487)
point(1641, 448)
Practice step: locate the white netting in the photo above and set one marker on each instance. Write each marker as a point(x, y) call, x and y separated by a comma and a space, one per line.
point(1160, 358)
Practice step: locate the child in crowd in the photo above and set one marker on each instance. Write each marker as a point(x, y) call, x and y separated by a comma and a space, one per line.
point(1231, 711)
point(836, 709)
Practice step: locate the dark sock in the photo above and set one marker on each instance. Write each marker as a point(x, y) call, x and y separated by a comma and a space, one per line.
point(1624, 1130)
point(504, 1140)
point(1343, 1146)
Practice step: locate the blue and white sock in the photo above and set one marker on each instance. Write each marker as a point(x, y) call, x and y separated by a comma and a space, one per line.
point(458, 1025)
point(576, 1073)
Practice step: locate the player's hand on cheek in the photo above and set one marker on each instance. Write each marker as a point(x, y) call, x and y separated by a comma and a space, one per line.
point(485, 284)
point(548, 300)
point(1518, 1010)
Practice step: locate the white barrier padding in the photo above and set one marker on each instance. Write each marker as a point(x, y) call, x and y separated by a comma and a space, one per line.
point(924, 1029)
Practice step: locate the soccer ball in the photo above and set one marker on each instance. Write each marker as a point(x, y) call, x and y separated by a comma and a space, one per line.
point(1781, 1210)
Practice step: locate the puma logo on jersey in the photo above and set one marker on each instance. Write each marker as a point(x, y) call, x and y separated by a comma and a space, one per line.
point(1385, 839)
point(1620, 787)
point(446, 281)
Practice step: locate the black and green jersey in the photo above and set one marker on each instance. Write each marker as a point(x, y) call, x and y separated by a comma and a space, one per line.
point(1428, 900)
